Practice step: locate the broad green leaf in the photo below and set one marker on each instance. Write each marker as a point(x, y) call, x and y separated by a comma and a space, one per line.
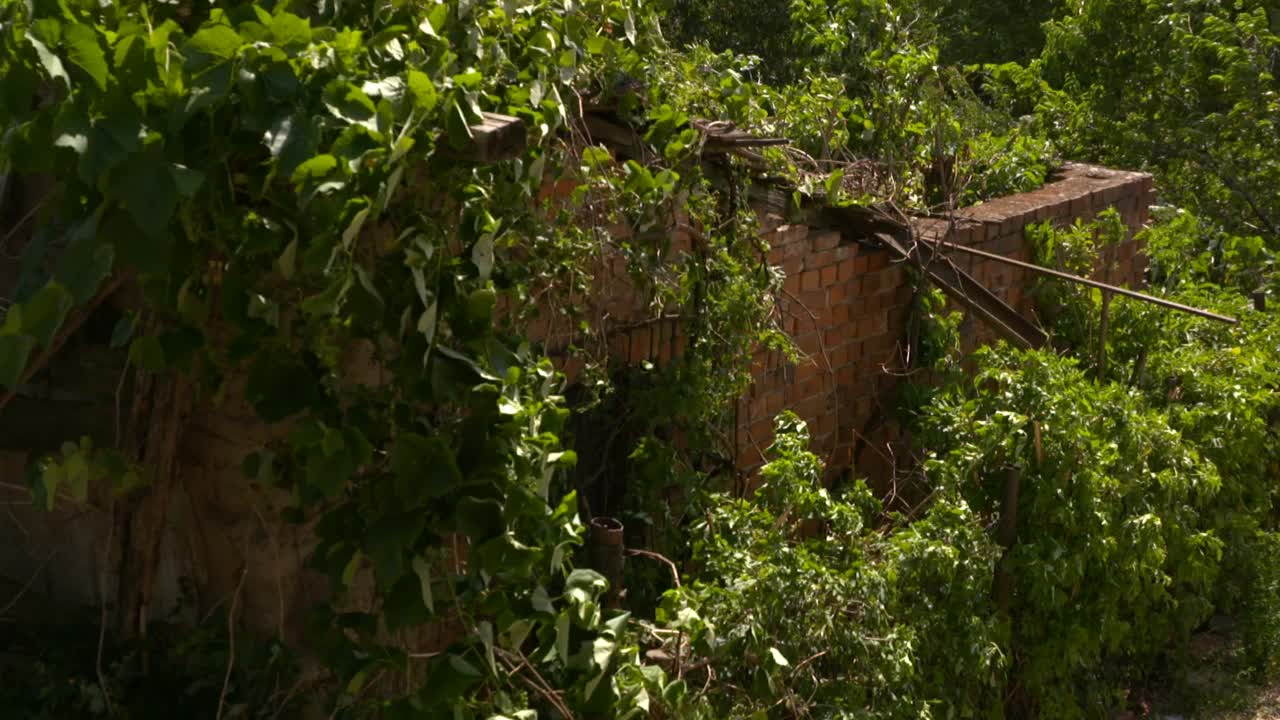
point(287, 263)
point(51, 62)
point(218, 41)
point(425, 468)
point(147, 190)
point(485, 631)
point(86, 261)
point(123, 330)
point(422, 569)
point(422, 91)
point(479, 519)
point(353, 228)
point(84, 50)
point(562, 636)
point(328, 301)
point(44, 313)
point(315, 169)
point(289, 30)
point(403, 605)
point(146, 353)
point(51, 479)
point(542, 601)
point(482, 256)
point(457, 128)
point(350, 103)
point(186, 180)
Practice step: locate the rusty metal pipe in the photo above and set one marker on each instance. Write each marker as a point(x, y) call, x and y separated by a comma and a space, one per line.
point(1086, 281)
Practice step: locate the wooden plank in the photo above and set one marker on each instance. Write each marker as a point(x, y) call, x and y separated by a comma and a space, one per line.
point(961, 287)
point(494, 139)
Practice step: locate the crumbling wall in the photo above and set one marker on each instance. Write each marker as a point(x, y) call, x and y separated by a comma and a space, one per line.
point(845, 304)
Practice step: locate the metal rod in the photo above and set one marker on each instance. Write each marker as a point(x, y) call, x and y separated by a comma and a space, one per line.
point(1086, 281)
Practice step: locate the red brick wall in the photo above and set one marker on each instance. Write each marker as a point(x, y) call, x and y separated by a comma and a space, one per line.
point(846, 305)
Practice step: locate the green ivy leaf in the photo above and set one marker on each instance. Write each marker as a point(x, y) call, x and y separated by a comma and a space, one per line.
point(479, 519)
point(44, 313)
point(457, 128)
point(316, 169)
point(185, 180)
point(482, 256)
point(290, 31)
point(85, 52)
point(147, 190)
point(147, 353)
point(403, 606)
point(52, 63)
point(216, 41)
point(422, 569)
point(86, 262)
point(123, 330)
point(422, 91)
point(348, 102)
point(328, 301)
point(425, 469)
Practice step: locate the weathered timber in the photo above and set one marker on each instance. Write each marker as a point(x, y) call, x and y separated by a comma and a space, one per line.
point(961, 287)
point(494, 139)
point(1086, 281)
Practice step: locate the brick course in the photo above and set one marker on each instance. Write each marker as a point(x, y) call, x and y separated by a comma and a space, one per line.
point(846, 307)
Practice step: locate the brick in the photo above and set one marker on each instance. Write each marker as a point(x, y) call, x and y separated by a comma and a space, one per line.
point(813, 387)
point(844, 270)
point(773, 402)
point(839, 355)
point(877, 261)
point(814, 301)
point(872, 324)
point(846, 375)
point(749, 458)
point(871, 284)
point(791, 284)
point(839, 313)
point(810, 280)
point(827, 427)
point(834, 336)
point(860, 264)
point(825, 241)
point(806, 370)
point(639, 343)
point(762, 430)
point(846, 252)
point(790, 234)
point(819, 259)
point(829, 276)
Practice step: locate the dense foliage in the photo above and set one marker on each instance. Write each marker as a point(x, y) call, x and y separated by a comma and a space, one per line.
point(288, 186)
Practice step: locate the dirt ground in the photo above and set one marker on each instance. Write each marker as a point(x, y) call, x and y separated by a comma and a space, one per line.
point(1214, 685)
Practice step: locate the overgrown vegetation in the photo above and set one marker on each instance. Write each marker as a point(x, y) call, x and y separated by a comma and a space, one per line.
point(288, 183)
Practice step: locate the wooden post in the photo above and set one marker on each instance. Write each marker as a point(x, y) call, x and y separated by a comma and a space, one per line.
point(606, 556)
point(1102, 335)
point(1007, 537)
